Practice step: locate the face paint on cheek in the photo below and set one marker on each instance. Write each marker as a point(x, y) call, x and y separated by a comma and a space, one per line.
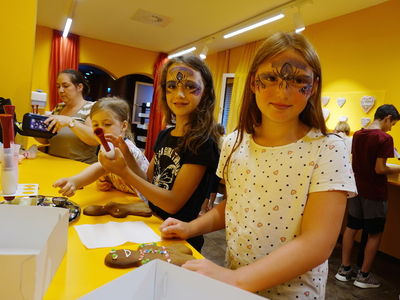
point(306, 90)
point(197, 90)
point(258, 84)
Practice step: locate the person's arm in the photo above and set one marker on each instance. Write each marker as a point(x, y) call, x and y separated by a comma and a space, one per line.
point(69, 185)
point(382, 168)
point(320, 228)
point(150, 170)
point(211, 221)
point(82, 130)
point(171, 201)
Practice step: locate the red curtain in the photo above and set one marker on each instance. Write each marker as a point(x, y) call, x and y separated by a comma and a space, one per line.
point(156, 118)
point(64, 55)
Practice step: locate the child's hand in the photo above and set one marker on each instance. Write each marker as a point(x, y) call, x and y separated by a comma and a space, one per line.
point(210, 269)
point(103, 185)
point(119, 142)
point(117, 165)
point(174, 229)
point(66, 185)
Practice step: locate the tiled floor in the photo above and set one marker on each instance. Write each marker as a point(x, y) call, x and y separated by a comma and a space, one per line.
point(387, 270)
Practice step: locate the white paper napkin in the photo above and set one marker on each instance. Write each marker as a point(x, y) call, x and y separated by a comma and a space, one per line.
point(113, 234)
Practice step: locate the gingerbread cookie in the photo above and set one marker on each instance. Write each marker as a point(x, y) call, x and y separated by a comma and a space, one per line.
point(119, 210)
point(176, 254)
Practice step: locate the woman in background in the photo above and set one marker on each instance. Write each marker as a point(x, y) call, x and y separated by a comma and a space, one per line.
point(70, 120)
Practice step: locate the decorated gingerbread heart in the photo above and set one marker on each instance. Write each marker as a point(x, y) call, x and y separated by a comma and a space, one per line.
point(176, 254)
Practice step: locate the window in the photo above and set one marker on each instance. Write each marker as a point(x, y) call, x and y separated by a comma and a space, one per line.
point(225, 98)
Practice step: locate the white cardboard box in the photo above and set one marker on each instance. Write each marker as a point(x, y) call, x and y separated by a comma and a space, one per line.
point(158, 280)
point(33, 241)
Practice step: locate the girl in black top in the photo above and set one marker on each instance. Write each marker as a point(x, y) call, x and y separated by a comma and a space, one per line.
point(182, 171)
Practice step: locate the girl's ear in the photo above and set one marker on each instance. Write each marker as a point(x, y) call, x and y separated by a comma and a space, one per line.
point(124, 126)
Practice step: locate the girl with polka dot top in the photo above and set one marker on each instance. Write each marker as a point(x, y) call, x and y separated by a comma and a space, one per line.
point(286, 181)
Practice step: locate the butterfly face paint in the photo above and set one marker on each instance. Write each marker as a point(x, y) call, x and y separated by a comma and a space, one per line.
point(288, 74)
point(185, 78)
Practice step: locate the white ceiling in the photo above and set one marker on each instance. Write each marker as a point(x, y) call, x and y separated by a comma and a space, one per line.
point(190, 22)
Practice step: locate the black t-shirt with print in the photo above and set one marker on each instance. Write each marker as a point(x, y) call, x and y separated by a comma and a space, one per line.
point(167, 163)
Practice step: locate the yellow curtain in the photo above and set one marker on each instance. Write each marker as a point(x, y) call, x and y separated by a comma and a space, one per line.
point(219, 64)
point(239, 81)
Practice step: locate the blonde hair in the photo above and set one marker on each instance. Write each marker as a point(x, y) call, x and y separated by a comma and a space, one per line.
point(342, 126)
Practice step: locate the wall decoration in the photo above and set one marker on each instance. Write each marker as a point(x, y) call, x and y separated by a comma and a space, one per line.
point(326, 113)
point(365, 121)
point(325, 100)
point(340, 101)
point(367, 102)
point(343, 119)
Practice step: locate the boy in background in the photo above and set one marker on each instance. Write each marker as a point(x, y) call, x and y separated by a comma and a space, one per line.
point(371, 147)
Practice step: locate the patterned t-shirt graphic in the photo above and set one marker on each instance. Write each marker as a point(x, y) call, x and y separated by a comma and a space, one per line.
point(167, 164)
point(166, 167)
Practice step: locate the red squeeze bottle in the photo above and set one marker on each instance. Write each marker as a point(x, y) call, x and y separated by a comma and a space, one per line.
point(9, 168)
point(10, 110)
point(7, 128)
point(100, 134)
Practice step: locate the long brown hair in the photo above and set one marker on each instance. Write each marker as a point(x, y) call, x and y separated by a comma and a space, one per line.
point(250, 114)
point(202, 125)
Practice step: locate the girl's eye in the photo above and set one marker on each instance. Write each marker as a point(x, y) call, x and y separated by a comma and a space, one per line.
point(190, 85)
point(107, 125)
point(299, 80)
point(171, 85)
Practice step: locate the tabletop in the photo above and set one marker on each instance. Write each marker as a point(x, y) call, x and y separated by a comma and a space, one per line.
point(81, 270)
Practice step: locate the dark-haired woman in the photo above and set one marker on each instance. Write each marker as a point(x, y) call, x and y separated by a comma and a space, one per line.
point(70, 119)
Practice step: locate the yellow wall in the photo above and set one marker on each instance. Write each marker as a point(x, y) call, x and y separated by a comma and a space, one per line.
point(118, 60)
point(17, 40)
point(40, 75)
point(359, 53)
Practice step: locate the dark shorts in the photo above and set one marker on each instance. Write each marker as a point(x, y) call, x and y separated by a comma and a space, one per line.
point(366, 214)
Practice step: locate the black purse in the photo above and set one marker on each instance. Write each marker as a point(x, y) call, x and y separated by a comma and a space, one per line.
point(33, 125)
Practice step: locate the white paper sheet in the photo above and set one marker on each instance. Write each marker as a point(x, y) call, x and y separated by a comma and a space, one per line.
point(113, 234)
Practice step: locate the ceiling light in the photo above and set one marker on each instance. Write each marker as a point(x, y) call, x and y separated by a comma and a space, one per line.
point(261, 23)
point(182, 52)
point(67, 27)
point(203, 53)
point(298, 22)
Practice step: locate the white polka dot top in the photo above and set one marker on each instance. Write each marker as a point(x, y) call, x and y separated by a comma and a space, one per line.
point(267, 190)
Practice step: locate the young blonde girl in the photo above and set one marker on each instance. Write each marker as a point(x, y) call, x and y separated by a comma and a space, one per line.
point(286, 181)
point(112, 115)
point(182, 171)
